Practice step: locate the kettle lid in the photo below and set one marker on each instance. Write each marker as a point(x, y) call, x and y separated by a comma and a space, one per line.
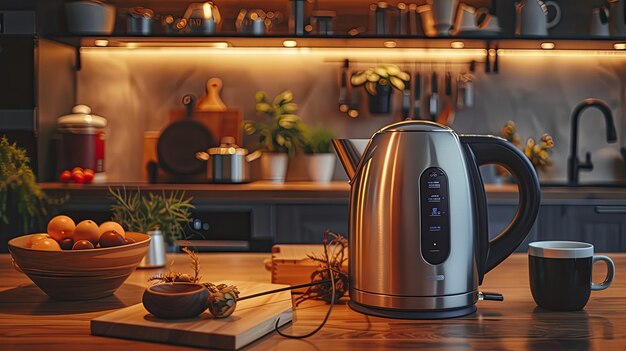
point(415, 126)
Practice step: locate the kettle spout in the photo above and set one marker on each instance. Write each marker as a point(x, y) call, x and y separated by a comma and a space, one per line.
point(350, 152)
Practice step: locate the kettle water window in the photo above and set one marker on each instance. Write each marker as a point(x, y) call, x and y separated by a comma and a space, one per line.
point(435, 218)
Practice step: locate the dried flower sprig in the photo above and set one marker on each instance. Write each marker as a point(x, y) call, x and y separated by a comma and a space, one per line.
point(538, 154)
point(332, 261)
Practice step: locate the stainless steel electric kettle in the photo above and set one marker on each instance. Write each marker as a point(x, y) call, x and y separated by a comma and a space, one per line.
point(419, 245)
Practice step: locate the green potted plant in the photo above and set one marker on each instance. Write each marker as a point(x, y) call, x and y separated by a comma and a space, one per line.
point(379, 82)
point(280, 136)
point(160, 215)
point(320, 155)
point(22, 202)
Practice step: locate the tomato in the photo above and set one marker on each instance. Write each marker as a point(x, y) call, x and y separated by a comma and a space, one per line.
point(65, 176)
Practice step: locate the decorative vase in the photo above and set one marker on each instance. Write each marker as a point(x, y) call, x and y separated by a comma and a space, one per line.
point(381, 102)
point(320, 167)
point(274, 166)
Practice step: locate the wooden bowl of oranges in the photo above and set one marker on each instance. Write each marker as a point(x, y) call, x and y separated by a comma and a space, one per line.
point(81, 261)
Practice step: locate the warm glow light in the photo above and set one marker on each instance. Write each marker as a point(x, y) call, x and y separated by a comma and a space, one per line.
point(457, 45)
point(353, 113)
point(290, 43)
point(547, 46)
point(206, 8)
point(619, 46)
point(215, 48)
point(390, 44)
point(220, 45)
point(101, 42)
point(582, 54)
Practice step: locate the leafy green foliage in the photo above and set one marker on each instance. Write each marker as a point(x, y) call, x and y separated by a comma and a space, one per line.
point(166, 212)
point(319, 141)
point(284, 131)
point(18, 185)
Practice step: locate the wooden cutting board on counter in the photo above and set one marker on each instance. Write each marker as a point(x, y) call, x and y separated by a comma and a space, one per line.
point(251, 320)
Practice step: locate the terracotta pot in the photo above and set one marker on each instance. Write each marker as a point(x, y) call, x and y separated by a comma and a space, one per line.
point(274, 166)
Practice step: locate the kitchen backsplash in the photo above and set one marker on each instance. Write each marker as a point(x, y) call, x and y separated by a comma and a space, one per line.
point(135, 91)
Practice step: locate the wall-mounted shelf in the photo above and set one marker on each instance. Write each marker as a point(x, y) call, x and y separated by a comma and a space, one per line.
point(362, 41)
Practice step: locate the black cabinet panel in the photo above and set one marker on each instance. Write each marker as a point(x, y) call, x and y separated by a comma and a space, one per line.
point(305, 224)
point(17, 72)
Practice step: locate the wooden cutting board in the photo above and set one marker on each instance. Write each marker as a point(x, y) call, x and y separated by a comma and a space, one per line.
point(251, 320)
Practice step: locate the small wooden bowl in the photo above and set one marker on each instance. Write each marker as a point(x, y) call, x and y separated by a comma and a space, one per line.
point(79, 274)
point(176, 300)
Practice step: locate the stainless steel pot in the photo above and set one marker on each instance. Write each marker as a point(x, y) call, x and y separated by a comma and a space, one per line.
point(228, 163)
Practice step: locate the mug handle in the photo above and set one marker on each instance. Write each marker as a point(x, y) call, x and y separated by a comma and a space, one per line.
point(557, 15)
point(609, 274)
point(481, 15)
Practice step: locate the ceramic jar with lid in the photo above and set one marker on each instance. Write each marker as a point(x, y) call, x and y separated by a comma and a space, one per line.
point(81, 140)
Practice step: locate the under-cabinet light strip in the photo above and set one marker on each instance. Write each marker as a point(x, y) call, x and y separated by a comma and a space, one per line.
point(451, 54)
point(407, 53)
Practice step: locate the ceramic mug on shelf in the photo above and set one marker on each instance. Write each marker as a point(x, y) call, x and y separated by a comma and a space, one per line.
point(532, 17)
point(443, 13)
point(599, 22)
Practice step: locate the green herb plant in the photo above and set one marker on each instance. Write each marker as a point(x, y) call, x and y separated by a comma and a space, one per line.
point(19, 188)
point(167, 212)
point(284, 131)
point(319, 141)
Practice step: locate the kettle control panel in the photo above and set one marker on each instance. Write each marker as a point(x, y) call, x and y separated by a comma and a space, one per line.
point(435, 218)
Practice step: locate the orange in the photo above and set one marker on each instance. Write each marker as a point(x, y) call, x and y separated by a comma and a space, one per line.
point(87, 230)
point(46, 245)
point(61, 227)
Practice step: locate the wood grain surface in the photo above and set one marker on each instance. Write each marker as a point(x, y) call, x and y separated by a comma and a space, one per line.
point(31, 321)
point(251, 320)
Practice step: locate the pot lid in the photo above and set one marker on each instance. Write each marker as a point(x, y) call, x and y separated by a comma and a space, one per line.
point(228, 147)
point(81, 117)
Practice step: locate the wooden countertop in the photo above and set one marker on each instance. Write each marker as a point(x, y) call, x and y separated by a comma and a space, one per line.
point(30, 321)
point(336, 191)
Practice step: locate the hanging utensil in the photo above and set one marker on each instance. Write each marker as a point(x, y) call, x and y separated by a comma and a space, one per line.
point(417, 96)
point(449, 105)
point(406, 100)
point(353, 107)
point(179, 142)
point(343, 104)
point(433, 101)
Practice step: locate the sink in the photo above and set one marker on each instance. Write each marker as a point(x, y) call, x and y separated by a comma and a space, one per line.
point(585, 185)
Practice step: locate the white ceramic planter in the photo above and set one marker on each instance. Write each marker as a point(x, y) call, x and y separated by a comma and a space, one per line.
point(321, 167)
point(274, 166)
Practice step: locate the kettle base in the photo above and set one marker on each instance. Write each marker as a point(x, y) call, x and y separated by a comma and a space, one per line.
point(412, 314)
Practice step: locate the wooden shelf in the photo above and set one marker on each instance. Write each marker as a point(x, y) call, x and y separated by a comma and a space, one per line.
point(361, 41)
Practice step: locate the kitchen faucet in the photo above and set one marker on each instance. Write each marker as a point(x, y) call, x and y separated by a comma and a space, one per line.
point(573, 163)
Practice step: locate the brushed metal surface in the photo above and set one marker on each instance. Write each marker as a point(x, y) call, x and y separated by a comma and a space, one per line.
point(415, 302)
point(385, 255)
point(155, 257)
point(228, 169)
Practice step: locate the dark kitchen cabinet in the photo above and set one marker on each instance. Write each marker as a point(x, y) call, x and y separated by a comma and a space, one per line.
point(17, 69)
point(307, 223)
point(604, 226)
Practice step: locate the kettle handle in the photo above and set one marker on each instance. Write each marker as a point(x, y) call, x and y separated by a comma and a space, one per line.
point(494, 150)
